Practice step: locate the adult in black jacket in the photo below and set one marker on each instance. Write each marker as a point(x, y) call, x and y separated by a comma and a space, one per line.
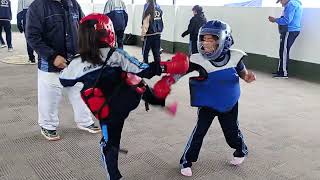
point(52, 31)
point(196, 22)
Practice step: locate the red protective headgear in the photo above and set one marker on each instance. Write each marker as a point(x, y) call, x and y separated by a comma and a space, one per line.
point(102, 23)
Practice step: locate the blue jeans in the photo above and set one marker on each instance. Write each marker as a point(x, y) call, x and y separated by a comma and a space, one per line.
point(193, 47)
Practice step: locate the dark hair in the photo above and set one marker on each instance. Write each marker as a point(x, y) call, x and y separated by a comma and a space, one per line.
point(150, 9)
point(197, 9)
point(89, 42)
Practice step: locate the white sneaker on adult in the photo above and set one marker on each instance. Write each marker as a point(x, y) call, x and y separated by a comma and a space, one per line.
point(237, 160)
point(186, 172)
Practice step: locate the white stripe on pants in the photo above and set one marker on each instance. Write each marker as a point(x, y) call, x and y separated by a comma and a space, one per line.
point(284, 59)
point(49, 97)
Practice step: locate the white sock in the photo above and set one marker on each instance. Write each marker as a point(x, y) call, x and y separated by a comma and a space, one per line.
point(237, 160)
point(186, 171)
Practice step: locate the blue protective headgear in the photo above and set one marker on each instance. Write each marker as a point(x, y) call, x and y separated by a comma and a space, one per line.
point(220, 29)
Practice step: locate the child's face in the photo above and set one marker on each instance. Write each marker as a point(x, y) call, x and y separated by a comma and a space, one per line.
point(210, 43)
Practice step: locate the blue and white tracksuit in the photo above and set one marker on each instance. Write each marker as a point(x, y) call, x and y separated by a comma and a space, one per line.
point(151, 31)
point(216, 94)
point(116, 10)
point(289, 28)
point(122, 98)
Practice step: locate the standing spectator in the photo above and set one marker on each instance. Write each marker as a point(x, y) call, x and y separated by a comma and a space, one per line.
point(152, 26)
point(23, 6)
point(52, 31)
point(195, 24)
point(5, 21)
point(289, 27)
point(116, 10)
point(2, 43)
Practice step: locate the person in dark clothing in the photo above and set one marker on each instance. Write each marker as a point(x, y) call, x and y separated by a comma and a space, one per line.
point(152, 27)
point(52, 31)
point(116, 10)
point(5, 21)
point(23, 6)
point(195, 24)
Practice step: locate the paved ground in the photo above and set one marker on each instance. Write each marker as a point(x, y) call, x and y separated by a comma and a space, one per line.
point(279, 119)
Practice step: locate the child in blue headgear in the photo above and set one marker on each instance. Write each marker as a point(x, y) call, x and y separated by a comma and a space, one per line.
point(215, 91)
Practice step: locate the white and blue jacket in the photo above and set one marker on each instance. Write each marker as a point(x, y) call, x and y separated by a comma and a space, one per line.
point(116, 10)
point(120, 61)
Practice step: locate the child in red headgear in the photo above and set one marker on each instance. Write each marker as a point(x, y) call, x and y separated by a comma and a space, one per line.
point(113, 86)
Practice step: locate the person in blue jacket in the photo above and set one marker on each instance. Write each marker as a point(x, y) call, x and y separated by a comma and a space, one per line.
point(5, 21)
point(289, 28)
point(116, 10)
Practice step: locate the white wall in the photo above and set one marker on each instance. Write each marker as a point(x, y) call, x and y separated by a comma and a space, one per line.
point(251, 29)
point(168, 19)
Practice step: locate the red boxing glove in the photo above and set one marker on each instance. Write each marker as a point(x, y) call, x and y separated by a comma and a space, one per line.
point(162, 88)
point(179, 64)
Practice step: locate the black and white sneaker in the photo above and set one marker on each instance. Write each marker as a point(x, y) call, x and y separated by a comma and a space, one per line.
point(32, 61)
point(91, 129)
point(280, 76)
point(161, 50)
point(50, 135)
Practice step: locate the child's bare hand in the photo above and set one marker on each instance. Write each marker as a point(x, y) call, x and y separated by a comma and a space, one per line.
point(249, 77)
point(60, 62)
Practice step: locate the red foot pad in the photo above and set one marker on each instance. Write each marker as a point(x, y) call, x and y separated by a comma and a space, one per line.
point(96, 102)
